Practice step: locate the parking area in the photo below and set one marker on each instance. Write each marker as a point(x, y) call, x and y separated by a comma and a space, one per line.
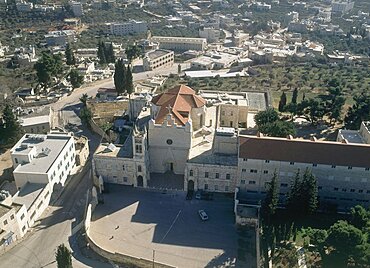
point(167, 226)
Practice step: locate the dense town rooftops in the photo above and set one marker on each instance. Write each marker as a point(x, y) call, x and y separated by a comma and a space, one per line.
point(178, 101)
point(304, 151)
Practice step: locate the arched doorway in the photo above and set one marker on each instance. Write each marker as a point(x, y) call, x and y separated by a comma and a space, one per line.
point(140, 181)
point(190, 186)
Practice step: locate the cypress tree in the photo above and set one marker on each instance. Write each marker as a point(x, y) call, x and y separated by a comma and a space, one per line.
point(101, 53)
point(295, 95)
point(70, 58)
point(129, 85)
point(119, 76)
point(270, 203)
point(282, 102)
point(309, 192)
point(109, 53)
point(294, 199)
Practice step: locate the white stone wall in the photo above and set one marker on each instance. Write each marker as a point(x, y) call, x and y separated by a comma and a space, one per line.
point(217, 181)
point(8, 223)
point(169, 145)
point(337, 184)
point(39, 205)
point(198, 116)
point(21, 217)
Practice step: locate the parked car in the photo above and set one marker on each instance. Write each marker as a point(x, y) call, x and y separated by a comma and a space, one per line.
point(203, 215)
point(198, 195)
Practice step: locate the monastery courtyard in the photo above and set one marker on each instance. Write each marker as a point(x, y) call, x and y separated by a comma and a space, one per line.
point(135, 222)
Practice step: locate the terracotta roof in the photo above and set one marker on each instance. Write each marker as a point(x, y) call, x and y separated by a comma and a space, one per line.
point(304, 151)
point(181, 99)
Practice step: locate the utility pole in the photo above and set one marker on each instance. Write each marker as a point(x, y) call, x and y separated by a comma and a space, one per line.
point(153, 257)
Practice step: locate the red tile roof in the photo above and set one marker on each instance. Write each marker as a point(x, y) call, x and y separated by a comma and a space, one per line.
point(304, 151)
point(181, 99)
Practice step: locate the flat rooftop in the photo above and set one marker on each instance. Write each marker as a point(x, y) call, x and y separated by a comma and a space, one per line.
point(29, 193)
point(352, 136)
point(157, 53)
point(36, 120)
point(48, 147)
point(112, 150)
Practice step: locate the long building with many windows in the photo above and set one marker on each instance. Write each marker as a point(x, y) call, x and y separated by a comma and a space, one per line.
point(193, 142)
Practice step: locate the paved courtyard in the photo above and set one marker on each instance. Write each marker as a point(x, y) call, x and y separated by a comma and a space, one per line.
point(139, 223)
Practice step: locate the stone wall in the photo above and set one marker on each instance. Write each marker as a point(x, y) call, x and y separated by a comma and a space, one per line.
point(106, 110)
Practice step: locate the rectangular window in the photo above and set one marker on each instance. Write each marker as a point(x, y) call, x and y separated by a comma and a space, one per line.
point(333, 166)
point(226, 188)
point(16, 160)
point(252, 182)
point(360, 191)
point(22, 216)
point(206, 186)
point(367, 169)
point(139, 168)
point(5, 222)
point(39, 205)
point(206, 174)
point(217, 175)
point(11, 217)
point(314, 165)
point(191, 173)
point(23, 228)
point(125, 179)
point(344, 190)
point(123, 167)
point(265, 172)
point(253, 170)
point(244, 170)
point(336, 189)
point(267, 161)
point(319, 188)
point(283, 185)
point(216, 187)
point(242, 181)
point(352, 190)
point(228, 177)
point(349, 167)
point(291, 163)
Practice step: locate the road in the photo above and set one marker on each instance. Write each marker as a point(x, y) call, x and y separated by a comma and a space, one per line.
point(55, 227)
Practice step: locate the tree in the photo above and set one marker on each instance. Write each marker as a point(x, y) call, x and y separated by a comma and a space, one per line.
point(12, 129)
point(48, 66)
point(309, 192)
point(295, 95)
point(344, 238)
point(70, 58)
point(101, 53)
point(75, 78)
point(360, 217)
point(85, 114)
point(119, 76)
point(267, 116)
point(109, 54)
point(278, 128)
point(282, 102)
point(360, 111)
point(63, 257)
point(132, 52)
point(270, 203)
point(129, 85)
point(84, 99)
point(293, 203)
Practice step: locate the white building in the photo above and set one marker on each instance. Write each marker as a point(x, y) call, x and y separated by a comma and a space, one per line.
point(132, 27)
point(214, 60)
point(76, 8)
point(211, 34)
point(60, 38)
point(158, 59)
point(40, 162)
point(342, 6)
point(355, 136)
point(180, 44)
